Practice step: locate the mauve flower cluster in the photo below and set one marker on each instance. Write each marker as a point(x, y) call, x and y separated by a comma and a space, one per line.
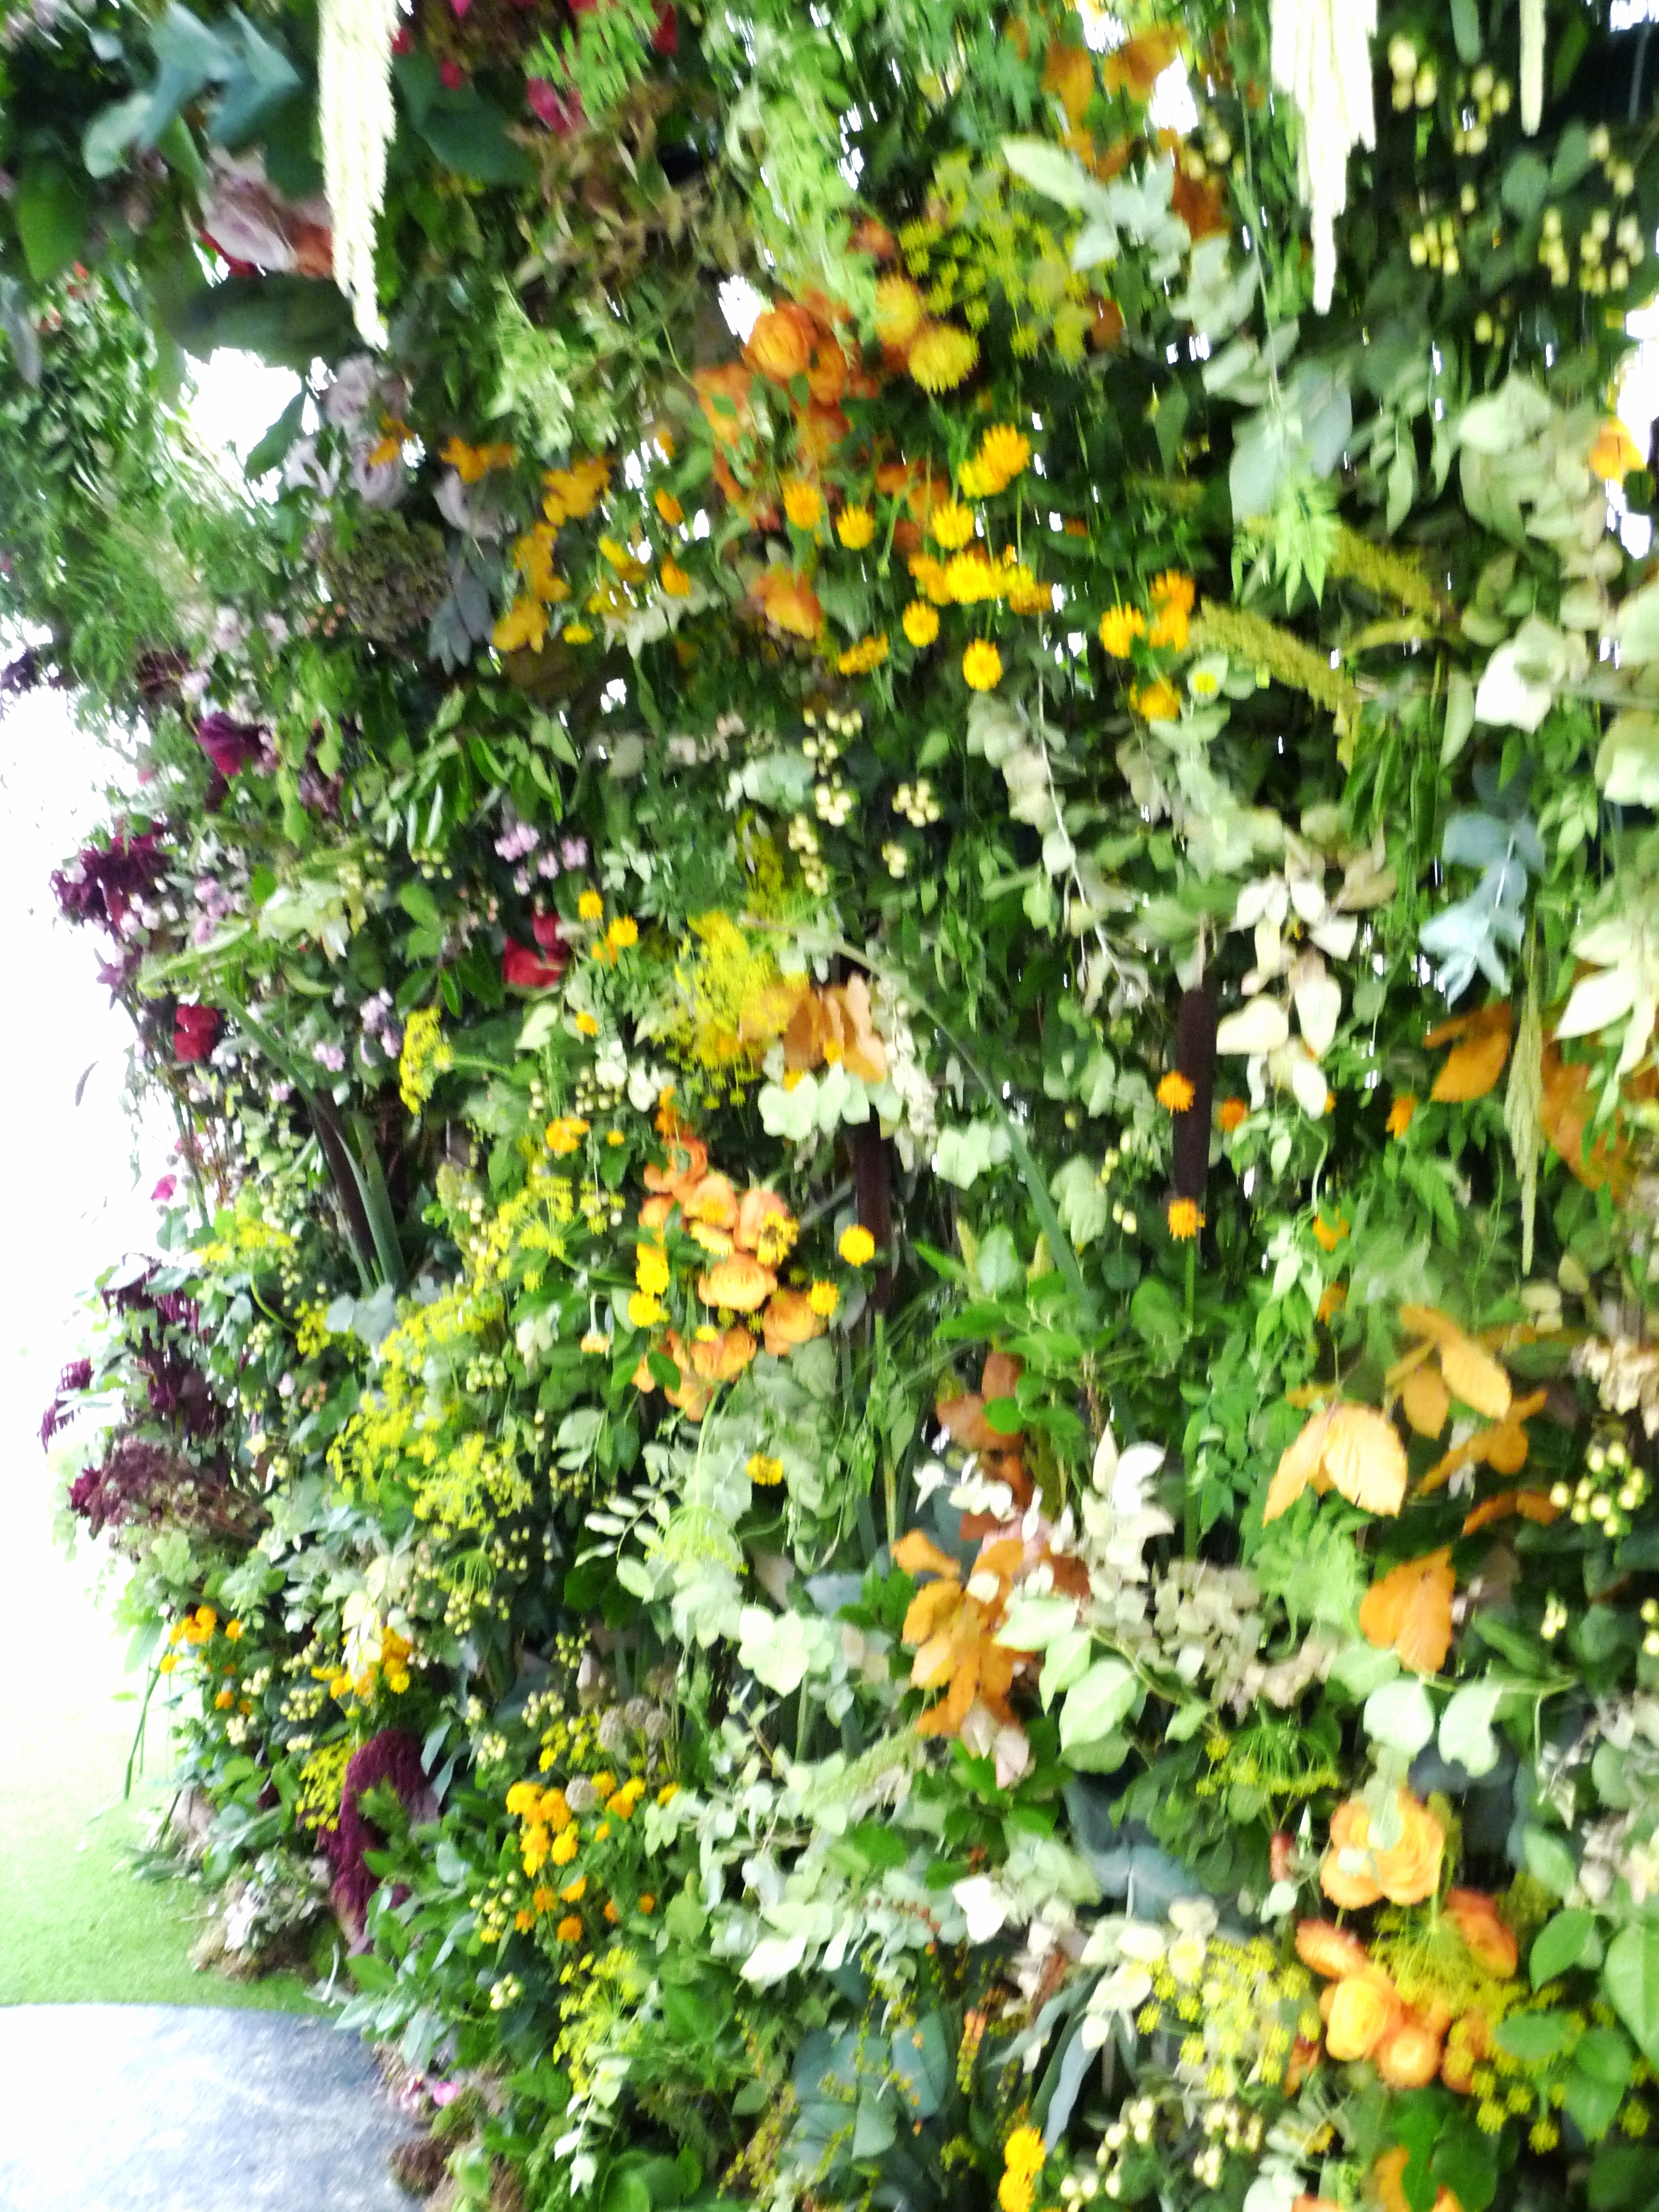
point(75, 1378)
point(141, 1484)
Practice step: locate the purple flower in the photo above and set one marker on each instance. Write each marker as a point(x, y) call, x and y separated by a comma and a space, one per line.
point(328, 1056)
point(75, 1378)
point(574, 852)
point(394, 1757)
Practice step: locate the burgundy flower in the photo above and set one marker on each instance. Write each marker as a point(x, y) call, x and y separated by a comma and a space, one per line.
point(452, 76)
point(404, 41)
point(231, 746)
point(195, 1032)
point(102, 881)
point(665, 38)
point(527, 970)
point(75, 1378)
point(394, 1757)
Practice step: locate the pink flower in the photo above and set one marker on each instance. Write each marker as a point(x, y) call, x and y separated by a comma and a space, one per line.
point(461, 7)
point(560, 114)
point(403, 43)
point(452, 76)
point(163, 1191)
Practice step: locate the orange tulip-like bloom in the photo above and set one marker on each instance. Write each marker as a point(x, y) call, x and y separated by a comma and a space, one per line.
point(780, 343)
point(1331, 1951)
point(1232, 1113)
point(711, 1199)
point(722, 1358)
point(1175, 1093)
point(1364, 2008)
point(1355, 1873)
point(763, 1218)
point(1410, 2057)
point(740, 1283)
point(790, 1319)
point(1476, 1919)
point(676, 581)
point(668, 506)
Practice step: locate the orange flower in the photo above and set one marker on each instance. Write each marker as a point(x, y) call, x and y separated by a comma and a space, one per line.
point(1480, 1046)
point(1614, 454)
point(668, 508)
point(1400, 1113)
point(1387, 2184)
point(1232, 1113)
point(740, 1283)
point(780, 343)
point(1354, 1873)
point(1330, 1951)
point(1184, 1220)
point(710, 1198)
point(1330, 1233)
point(790, 1319)
point(676, 580)
point(790, 603)
point(1364, 2008)
point(1409, 2058)
point(1173, 590)
point(722, 1359)
point(723, 395)
point(1491, 1943)
point(1176, 1093)
point(759, 1210)
point(1136, 66)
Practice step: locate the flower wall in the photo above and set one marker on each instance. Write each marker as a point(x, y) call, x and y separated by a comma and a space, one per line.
point(895, 1407)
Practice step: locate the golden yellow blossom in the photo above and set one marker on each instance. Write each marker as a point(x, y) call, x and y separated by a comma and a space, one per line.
point(982, 665)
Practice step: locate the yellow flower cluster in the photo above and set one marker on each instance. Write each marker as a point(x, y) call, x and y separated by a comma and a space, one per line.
point(322, 1778)
point(859, 659)
point(1003, 453)
point(426, 1055)
point(1022, 2160)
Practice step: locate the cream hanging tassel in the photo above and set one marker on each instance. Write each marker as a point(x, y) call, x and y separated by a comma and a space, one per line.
point(1321, 57)
point(354, 84)
point(1532, 65)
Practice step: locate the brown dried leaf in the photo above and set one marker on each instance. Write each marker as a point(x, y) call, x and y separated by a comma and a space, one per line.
point(1410, 1609)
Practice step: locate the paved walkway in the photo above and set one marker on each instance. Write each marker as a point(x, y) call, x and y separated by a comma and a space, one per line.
point(165, 2108)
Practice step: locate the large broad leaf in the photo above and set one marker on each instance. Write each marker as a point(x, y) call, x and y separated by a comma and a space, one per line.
point(1631, 1979)
point(290, 321)
point(264, 77)
point(1466, 1732)
point(469, 137)
point(1569, 1939)
point(106, 139)
point(1095, 1706)
point(50, 207)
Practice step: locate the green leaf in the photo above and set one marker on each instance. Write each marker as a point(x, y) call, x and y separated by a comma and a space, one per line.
point(1624, 2180)
point(1399, 1716)
point(1158, 1318)
point(1095, 1706)
point(1533, 2037)
point(1465, 31)
point(105, 141)
point(1083, 1207)
point(1631, 1980)
point(1591, 2104)
point(469, 137)
point(1466, 1735)
point(50, 208)
point(998, 1266)
point(1550, 1860)
point(1569, 1939)
point(1057, 175)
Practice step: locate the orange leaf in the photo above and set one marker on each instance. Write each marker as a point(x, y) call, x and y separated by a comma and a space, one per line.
point(1566, 1110)
point(1429, 1321)
point(1530, 1504)
point(1477, 1059)
point(1475, 1377)
point(1298, 1466)
point(1410, 1610)
point(1365, 1459)
point(1427, 1402)
point(918, 1554)
point(929, 1608)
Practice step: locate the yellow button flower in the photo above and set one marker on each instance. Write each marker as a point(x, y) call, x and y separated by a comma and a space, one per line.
point(590, 906)
point(855, 527)
point(981, 665)
point(857, 1246)
point(920, 622)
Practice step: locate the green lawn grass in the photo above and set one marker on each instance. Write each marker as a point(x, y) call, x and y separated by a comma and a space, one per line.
point(77, 1925)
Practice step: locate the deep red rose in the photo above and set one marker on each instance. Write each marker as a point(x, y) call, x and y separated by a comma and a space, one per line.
point(452, 76)
point(195, 1032)
point(529, 972)
point(547, 930)
point(665, 38)
point(403, 41)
